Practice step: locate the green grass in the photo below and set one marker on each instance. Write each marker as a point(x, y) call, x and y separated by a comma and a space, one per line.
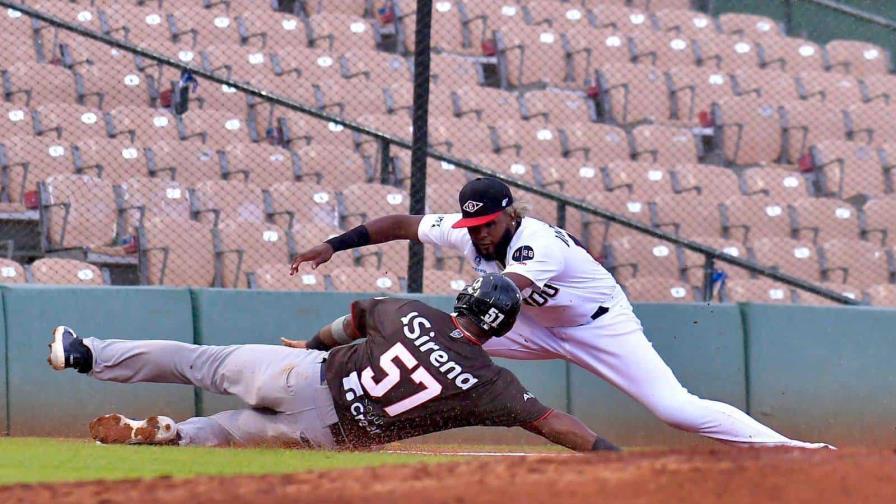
point(33, 460)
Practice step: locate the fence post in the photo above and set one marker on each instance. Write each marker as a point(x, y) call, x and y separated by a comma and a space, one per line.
point(708, 267)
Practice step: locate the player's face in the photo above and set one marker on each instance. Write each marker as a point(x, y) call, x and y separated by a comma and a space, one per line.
point(487, 237)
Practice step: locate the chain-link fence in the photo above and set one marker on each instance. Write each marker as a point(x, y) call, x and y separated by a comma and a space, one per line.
point(120, 169)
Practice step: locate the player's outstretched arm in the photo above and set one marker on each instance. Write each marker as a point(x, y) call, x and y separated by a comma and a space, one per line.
point(341, 331)
point(380, 230)
point(569, 431)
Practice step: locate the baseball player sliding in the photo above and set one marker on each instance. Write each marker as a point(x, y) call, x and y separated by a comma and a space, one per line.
point(419, 370)
point(573, 308)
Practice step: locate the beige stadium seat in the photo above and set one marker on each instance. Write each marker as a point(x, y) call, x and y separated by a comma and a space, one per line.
point(633, 93)
point(29, 160)
point(597, 143)
point(598, 232)
point(727, 53)
point(189, 163)
point(666, 145)
point(696, 89)
point(389, 257)
point(572, 177)
point(452, 31)
point(214, 128)
point(112, 160)
point(749, 130)
point(850, 291)
point(272, 31)
point(783, 185)
point(557, 15)
point(213, 97)
point(332, 166)
point(659, 290)
point(208, 26)
point(791, 55)
point(805, 124)
point(15, 121)
point(364, 280)
point(530, 55)
point(848, 168)
point(687, 215)
point(362, 202)
point(883, 295)
point(487, 104)
point(17, 23)
point(695, 263)
point(65, 272)
point(68, 121)
point(635, 256)
point(878, 221)
point(447, 283)
point(854, 262)
point(300, 205)
point(531, 139)
point(114, 85)
point(245, 246)
point(621, 18)
point(771, 85)
point(509, 166)
point(588, 48)
point(556, 108)
point(399, 97)
point(144, 24)
point(857, 58)
point(374, 67)
point(647, 180)
point(871, 124)
point(749, 26)
point(313, 236)
point(750, 218)
point(760, 290)
point(215, 201)
point(834, 90)
point(30, 84)
point(879, 87)
point(663, 49)
point(79, 211)
point(341, 32)
point(711, 182)
point(276, 277)
point(453, 71)
point(687, 23)
point(822, 219)
point(176, 253)
point(437, 172)
point(261, 164)
point(350, 100)
point(11, 272)
point(243, 64)
point(793, 257)
point(144, 198)
point(143, 125)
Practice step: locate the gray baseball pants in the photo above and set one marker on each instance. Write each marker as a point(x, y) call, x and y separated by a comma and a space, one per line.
point(288, 403)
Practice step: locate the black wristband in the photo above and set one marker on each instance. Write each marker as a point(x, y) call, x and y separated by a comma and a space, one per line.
point(316, 343)
point(601, 444)
point(353, 238)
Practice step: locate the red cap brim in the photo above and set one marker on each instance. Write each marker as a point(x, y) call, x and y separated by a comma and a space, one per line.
point(476, 221)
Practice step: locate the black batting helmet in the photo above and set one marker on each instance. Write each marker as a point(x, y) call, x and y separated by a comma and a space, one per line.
point(492, 301)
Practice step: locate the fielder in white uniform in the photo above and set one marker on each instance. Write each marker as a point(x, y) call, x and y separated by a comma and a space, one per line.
point(573, 308)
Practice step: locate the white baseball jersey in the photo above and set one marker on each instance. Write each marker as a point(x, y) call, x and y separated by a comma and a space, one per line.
point(569, 284)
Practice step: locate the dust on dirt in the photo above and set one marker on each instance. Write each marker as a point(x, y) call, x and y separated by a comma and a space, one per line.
point(732, 476)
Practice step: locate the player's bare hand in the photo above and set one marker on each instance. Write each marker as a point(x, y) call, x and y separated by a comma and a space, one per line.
point(316, 256)
point(293, 343)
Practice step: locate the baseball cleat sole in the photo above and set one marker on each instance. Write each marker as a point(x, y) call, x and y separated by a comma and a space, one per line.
point(118, 429)
point(57, 348)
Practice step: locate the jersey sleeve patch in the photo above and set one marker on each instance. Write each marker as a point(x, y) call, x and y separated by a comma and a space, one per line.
point(523, 254)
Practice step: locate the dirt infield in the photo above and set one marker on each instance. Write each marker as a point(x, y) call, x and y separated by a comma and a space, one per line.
point(724, 475)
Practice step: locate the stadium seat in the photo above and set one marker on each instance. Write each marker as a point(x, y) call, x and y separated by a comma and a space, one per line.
point(489, 105)
point(148, 198)
point(364, 280)
point(636, 256)
point(363, 202)
point(857, 58)
point(850, 291)
point(712, 183)
point(28, 84)
point(805, 123)
point(748, 130)
point(793, 257)
point(29, 160)
point(454, 71)
point(297, 130)
point(587, 48)
point(244, 246)
point(112, 160)
point(770, 85)
point(878, 220)
point(532, 140)
point(573, 177)
point(821, 219)
point(67, 121)
point(142, 124)
point(848, 168)
point(879, 87)
point(647, 180)
point(438, 173)
point(79, 211)
point(15, 121)
point(834, 90)
point(56, 271)
point(176, 253)
point(215, 201)
point(300, 205)
point(749, 26)
point(530, 55)
point(189, 163)
point(399, 97)
point(760, 290)
point(597, 143)
point(750, 218)
point(214, 128)
point(11, 272)
point(332, 166)
point(114, 85)
point(261, 164)
point(632, 94)
point(870, 124)
point(783, 185)
point(341, 32)
point(686, 23)
point(272, 31)
point(663, 49)
point(446, 283)
point(727, 53)
point(695, 262)
point(696, 89)
point(791, 55)
point(556, 15)
point(598, 232)
point(276, 277)
point(686, 215)
point(882, 295)
point(208, 26)
point(659, 290)
point(620, 18)
point(664, 145)
point(854, 262)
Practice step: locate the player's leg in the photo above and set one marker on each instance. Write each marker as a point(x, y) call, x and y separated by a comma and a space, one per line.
point(254, 426)
point(615, 348)
point(526, 341)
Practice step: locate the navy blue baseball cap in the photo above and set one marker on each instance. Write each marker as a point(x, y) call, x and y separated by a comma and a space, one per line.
point(482, 201)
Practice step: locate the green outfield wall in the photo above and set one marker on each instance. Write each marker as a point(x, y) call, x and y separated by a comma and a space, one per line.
point(822, 373)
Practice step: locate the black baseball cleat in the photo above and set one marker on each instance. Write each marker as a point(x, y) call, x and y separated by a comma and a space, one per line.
point(67, 350)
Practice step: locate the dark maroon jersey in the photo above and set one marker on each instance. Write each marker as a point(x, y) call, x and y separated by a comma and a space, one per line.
point(416, 373)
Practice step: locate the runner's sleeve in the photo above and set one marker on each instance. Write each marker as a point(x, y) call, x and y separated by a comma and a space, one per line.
point(507, 403)
point(536, 261)
point(435, 229)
